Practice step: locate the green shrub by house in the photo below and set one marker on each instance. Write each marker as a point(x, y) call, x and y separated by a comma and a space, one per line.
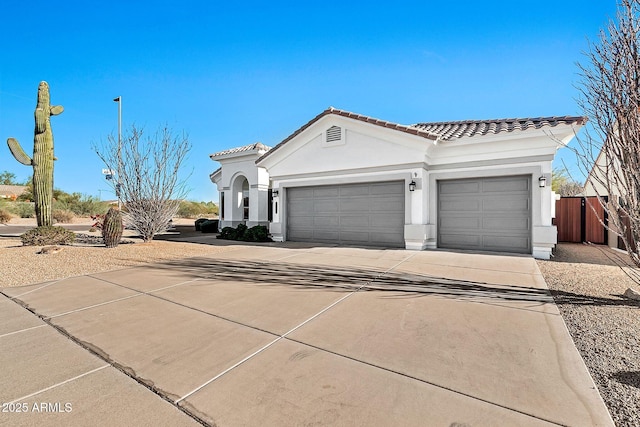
point(207, 226)
point(257, 233)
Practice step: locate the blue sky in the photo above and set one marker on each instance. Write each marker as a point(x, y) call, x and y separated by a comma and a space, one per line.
point(234, 73)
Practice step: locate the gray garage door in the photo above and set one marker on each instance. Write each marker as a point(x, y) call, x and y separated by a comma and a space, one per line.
point(492, 214)
point(352, 214)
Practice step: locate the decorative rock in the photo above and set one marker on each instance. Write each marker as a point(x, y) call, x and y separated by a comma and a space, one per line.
point(632, 294)
point(50, 250)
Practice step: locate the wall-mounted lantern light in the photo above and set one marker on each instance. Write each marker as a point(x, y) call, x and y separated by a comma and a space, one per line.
point(412, 186)
point(274, 193)
point(542, 181)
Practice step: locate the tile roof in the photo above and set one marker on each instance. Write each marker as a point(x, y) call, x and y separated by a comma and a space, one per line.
point(250, 147)
point(212, 174)
point(443, 130)
point(331, 110)
point(12, 190)
point(470, 128)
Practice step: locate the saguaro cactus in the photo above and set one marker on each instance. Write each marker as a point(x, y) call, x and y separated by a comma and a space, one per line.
point(42, 161)
point(112, 228)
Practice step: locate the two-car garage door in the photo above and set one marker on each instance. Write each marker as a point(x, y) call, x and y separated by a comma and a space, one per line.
point(491, 214)
point(487, 214)
point(351, 214)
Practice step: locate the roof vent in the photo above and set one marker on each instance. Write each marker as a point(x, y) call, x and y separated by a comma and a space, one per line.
point(334, 133)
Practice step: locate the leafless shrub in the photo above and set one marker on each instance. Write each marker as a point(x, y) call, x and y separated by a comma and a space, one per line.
point(610, 97)
point(147, 176)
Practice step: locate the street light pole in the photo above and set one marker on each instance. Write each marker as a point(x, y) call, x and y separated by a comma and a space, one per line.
point(119, 101)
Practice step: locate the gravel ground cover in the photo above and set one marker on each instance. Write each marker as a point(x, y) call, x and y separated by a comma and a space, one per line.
point(588, 283)
point(24, 265)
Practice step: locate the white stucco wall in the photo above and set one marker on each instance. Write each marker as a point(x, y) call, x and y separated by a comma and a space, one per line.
point(365, 153)
point(369, 153)
point(235, 168)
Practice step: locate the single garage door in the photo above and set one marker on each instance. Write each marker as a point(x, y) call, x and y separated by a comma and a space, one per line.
point(491, 214)
point(353, 214)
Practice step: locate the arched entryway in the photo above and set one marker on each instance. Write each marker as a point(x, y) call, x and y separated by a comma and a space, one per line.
point(240, 199)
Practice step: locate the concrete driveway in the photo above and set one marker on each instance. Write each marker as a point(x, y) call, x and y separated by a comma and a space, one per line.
point(287, 335)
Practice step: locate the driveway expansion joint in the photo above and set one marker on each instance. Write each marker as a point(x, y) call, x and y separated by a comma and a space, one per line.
point(324, 310)
point(102, 355)
point(411, 377)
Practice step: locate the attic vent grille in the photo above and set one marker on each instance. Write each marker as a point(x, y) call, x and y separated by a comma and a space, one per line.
point(334, 133)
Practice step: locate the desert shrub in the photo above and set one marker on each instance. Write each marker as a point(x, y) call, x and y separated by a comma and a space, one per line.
point(209, 226)
point(241, 228)
point(228, 233)
point(258, 233)
point(63, 216)
point(190, 209)
point(79, 204)
point(47, 235)
point(23, 209)
point(5, 216)
point(198, 222)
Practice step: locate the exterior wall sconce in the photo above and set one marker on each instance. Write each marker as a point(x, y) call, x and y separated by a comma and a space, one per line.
point(412, 186)
point(274, 193)
point(542, 181)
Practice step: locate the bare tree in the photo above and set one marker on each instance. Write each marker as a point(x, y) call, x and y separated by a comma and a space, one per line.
point(146, 176)
point(610, 97)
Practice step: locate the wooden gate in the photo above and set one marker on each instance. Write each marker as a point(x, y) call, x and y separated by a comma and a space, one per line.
point(577, 222)
point(629, 236)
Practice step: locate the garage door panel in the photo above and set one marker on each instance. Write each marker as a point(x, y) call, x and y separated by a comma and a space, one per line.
point(325, 207)
point(499, 185)
point(382, 221)
point(302, 193)
point(355, 236)
point(497, 216)
point(324, 235)
point(386, 203)
point(392, 188)
point(472, 223)
point(460, 205)
point(384, 238)
point(302, 221)
point(362, 214)
point(507, 224)
point(460, 187)
point(326, 192)
point(357, 221)
point(355, 204)
point(460, 240)
point(324, 221)
point(505, 204)
point(354, 190)
point(301, 207)
point(505, 243)
point(301, 234)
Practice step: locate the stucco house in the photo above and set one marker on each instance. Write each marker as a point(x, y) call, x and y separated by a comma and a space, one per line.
point(351, 179)
point(12, 191)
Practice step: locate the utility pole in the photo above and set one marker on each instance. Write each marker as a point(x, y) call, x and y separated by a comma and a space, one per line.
point(119, 101)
